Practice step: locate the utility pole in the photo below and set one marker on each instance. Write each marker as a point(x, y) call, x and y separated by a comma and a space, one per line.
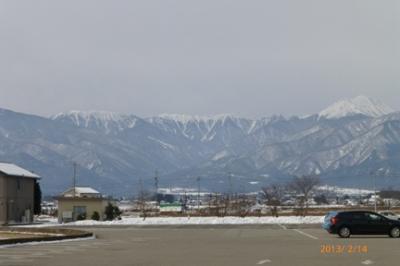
point(185, 201)
point(230, 185)
point(198, 193)
point(156, 184)
point(140, 188)
point(74, 180)
point(142, 201)
point(374, 176)
point(230, 196)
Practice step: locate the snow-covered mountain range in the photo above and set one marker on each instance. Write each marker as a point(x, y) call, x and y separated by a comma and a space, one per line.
point(360, 105)
point(343, 143)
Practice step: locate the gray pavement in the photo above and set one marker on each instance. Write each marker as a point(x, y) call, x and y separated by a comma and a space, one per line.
point(208, 245)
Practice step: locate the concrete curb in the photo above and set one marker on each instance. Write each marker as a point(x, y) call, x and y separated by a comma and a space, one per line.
point(57, 235)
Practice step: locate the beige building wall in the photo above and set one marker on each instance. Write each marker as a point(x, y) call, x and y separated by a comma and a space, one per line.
point(91, 204)
point(16, 199)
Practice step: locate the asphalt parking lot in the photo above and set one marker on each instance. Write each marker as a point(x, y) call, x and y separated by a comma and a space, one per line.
point(208, 245)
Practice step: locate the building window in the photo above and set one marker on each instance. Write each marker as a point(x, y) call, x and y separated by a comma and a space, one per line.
point(79, 213)
point(18, 184)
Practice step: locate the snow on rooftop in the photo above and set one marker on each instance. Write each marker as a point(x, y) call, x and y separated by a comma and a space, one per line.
point(81, 191)
point(15, 170)
point(86, 190)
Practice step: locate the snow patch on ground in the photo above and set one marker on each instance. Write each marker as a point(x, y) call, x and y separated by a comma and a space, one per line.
point(195, 221)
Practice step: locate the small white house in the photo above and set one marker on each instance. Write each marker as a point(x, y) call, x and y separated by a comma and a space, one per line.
point(81, 203)
point(82, 192)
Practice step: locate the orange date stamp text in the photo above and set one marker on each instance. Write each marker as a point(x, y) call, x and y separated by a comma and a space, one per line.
point(344, 249)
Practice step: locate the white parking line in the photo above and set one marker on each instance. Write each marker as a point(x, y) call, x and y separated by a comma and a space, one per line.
point(282, 226)
point(305, 234)
point(16, 262)
point(261, 262)
point(26, 255)
point(367, 262)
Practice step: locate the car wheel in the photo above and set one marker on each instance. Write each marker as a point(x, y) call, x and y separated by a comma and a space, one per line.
point(394, 232)
point(344, 232)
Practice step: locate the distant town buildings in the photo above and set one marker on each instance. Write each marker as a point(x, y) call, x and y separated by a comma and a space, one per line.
point(188, 195)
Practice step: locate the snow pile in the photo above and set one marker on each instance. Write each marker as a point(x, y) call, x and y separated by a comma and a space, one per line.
point(197, 221)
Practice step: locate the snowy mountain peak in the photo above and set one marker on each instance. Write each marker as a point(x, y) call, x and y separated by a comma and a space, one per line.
point(184, 119)
point(98, 119)
point(359, 105)
point(86, 115)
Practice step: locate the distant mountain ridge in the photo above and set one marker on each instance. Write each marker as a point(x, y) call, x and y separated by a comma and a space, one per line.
point(107, 121)
point(342, 143)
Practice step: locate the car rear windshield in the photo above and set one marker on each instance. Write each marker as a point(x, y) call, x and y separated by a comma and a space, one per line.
point(352, 215)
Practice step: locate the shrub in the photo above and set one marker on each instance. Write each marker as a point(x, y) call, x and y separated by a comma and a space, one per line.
point(95, 216)
point(81, 217)
point(112, 212)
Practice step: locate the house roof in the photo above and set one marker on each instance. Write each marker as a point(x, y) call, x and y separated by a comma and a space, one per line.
point(81, 191)
point(14, 170)
point(86, 190)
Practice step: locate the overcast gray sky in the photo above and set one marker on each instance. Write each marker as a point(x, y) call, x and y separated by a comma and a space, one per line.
point(250, 58)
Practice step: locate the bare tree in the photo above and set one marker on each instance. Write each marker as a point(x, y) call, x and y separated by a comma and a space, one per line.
point(273, 195)
point(242, 204)
point(217, 205)
point(224, 204)
point(142, 199)
point(304, 185)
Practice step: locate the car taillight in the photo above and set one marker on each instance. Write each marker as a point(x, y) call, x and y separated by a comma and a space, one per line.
point(334, 220)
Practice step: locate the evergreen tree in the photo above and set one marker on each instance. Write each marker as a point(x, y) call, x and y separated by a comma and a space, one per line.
point(95, 216)
point(37, 201)
point(112, 212)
